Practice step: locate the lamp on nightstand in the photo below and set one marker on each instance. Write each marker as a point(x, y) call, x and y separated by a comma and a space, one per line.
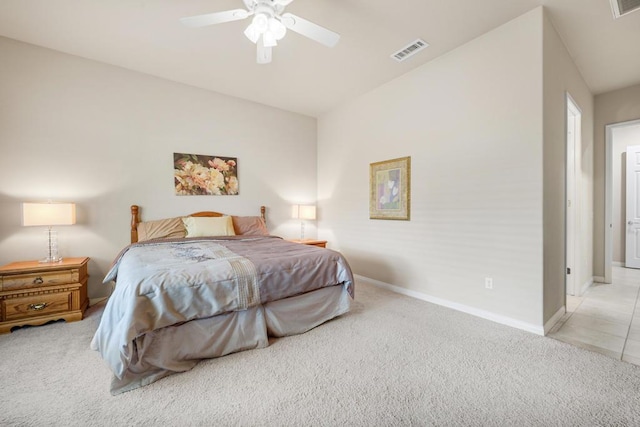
point(303, 212)
point(49, 214)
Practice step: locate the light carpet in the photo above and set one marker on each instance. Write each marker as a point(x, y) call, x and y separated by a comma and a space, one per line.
point(392, 361)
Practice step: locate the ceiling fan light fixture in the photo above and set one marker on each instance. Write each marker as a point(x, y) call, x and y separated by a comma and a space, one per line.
point(270, 29)
point(260, 22)
point(269, 39)
point(251, 33)
point(277, 28)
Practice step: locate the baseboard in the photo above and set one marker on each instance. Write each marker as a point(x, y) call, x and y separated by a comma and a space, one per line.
point(94, 301)
point(598, 279)
point(554, 319)
point(585, 286)
point(504, 320)
point(617, 263)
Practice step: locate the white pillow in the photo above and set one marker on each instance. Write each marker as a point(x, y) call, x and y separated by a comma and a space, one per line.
point(208, 226)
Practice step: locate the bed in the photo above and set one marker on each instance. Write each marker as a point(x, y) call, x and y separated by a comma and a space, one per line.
point(207, 285)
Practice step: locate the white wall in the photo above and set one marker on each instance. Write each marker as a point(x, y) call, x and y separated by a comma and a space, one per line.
point(472, 123)
point(612, 107)
point(622, 137)
point(72, 129)
point(561, 76)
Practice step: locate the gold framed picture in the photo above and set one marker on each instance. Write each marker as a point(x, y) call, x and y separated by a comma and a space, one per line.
point(390, 189)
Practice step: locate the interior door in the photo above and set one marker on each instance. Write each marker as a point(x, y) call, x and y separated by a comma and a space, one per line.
point(632, 244)
point(570, 230)
point(572, 213)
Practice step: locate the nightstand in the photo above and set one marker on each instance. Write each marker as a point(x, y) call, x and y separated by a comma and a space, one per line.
point(34, 293)
point(318, 243)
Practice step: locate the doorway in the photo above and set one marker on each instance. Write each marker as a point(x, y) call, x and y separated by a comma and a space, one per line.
point(572, 217)
point(618, 136)
point(632, 210)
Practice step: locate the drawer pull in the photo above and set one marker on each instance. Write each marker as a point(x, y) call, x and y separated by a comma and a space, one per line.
point(38, 307)
point(38, 281)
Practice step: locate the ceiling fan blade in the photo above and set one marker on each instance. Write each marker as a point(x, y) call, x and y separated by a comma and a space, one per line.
point(309, 29)
point(215, 18)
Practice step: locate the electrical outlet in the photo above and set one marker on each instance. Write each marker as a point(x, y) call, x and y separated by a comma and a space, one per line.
point(488, 282)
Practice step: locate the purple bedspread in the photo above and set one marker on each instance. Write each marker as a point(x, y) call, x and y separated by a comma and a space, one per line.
point(162, 283)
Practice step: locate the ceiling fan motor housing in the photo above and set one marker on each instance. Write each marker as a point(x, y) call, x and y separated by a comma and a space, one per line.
point(274, 6)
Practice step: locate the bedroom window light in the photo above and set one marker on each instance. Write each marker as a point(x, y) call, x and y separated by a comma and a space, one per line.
point(49, 214)
point(303, 212)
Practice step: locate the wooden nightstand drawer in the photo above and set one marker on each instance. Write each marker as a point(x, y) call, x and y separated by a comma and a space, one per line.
point(36, 280)
point(36, 305)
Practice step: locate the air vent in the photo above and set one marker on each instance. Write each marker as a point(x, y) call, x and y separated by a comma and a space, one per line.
point(624, 7)
point(411, 50)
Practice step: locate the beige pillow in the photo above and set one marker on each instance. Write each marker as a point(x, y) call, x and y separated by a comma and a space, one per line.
point(161, 229)
point(208, 226)
point(249, 226)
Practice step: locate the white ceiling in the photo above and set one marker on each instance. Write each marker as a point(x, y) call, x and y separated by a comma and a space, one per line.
point(306, 77)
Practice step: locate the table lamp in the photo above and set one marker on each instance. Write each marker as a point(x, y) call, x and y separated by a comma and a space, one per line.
point(303, 212)
point(49, 214)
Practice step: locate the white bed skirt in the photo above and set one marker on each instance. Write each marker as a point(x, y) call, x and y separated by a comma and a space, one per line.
point(178, 348)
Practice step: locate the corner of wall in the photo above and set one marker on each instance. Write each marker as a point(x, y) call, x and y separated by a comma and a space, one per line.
point(561, 77)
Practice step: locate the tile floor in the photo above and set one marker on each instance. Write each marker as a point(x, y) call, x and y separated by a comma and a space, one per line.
point(606, 319)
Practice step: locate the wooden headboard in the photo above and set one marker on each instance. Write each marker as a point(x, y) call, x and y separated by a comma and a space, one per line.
point(135, 218)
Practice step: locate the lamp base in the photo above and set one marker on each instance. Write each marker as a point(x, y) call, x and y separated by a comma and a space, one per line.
point(50, 260)
point(52, 248)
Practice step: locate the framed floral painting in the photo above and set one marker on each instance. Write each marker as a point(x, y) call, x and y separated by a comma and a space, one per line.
point(197, 174)
point(390, 189)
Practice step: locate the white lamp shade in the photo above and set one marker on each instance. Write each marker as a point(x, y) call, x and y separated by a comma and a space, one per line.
point(307, 212)
point(251, 33)
point(48, 214)
point(269, 39)
point(303, 211)
point(277, 28)
point(260, 22)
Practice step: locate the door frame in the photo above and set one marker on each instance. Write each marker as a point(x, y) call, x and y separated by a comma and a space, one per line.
point(571, 194)
point(608, 196)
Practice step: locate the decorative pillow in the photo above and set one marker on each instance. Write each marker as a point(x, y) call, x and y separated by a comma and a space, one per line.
point(250, 226)
point(208, 226)
point(161, 229)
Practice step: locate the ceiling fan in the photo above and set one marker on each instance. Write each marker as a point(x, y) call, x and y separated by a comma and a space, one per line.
point(269, 24)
